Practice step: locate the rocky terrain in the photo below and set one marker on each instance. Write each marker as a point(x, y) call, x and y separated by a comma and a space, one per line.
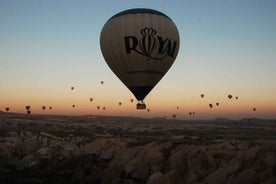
point(129, 150)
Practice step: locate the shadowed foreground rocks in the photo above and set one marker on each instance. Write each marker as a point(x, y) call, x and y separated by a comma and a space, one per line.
point(92, 149)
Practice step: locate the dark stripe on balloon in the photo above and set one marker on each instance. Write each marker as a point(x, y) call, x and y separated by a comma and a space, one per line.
point(140, 92)
point(147, 71)
point(139, 11)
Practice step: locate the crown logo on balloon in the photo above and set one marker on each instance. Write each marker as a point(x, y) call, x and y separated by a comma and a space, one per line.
point(148, 41)
point(148, 31)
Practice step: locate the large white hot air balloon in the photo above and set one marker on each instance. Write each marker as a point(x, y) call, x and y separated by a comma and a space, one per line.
point(139, 45)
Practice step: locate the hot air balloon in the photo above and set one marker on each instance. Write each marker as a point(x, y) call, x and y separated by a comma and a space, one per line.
point(102, 82)
point(120, 103)
point(211, 105)
point(177, 107)
point(7, 109)
point(104, 108)
point(202, 95)
point(73, 106)
point(91, 99)
point(139, 46)
point(72, 87)
point(217, 104)
point(148, 110)
point(50, 107)
point(237, 98)
point(131, 100)
point(230, 96)
point(190, 113)
point(193, 113)
point(98, 107)
point(28, 107)
point(43, 107)
point(254, 109)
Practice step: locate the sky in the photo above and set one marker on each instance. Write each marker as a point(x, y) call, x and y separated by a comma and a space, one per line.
point(226, 47)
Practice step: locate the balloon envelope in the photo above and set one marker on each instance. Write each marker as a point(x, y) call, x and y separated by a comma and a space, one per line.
point(28, 107)
point(139, 45)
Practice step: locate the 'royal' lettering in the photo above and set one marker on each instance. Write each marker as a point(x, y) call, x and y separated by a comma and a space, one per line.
point(165, 47)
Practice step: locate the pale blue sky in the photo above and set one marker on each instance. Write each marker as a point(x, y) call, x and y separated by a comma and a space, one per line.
point(226, 47)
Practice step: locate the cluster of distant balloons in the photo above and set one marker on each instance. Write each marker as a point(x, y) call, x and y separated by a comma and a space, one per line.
point(99, 107)
point(28, 107)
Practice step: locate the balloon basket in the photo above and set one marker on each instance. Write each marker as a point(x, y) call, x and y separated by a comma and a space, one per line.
point(141, 106)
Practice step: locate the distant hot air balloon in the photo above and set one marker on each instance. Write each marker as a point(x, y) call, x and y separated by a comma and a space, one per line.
point(148, 110)
point(217, 104)
point(190, 113)
point(91, 99)
point(211, 105)
point(177, 107)
point(98, 107)
point(202, 95)
point(237, 98)
point(254, 109)
point(72, 87)
point(139, 46)
point(102, 82)
point(193, 113)
point(73, 106)
point(120, 103)
point(230, 96)
point(50, 107)
point(103, 108)
point(43, 107)
point(7, 109)
point(131, 100)
point(28, 107)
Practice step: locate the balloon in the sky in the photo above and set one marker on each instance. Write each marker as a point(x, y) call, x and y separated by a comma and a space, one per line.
point(50, 107)
point(148, 110)
point(104, 108)
point(28, 107)
point(202, 95)
point(91, 99)
point(254, 109)
point(73, 106)
point(190, 113)
point(211, 105)
point(131, 100)
point(120, 103)
point(72, 88)
point(230, 96)
point(217, 104)
point(174, 116)
point(102, 82)
point(237, 98)
point(7, 109)
point(43, 107)
point(98, 107)
point(139, 45)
